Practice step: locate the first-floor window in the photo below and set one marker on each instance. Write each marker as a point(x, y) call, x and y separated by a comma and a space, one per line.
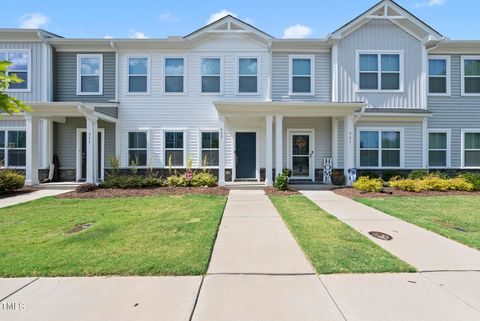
point(13, 148)
point(210, 148)
point(174, 148)
point(379, 148)
point(437, 149)
point(472, 149)
point(137, 148)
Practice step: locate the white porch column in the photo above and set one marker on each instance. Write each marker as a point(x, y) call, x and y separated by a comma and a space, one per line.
point(335, 142)
point(47, 137)
point(92, 149)
point(221, 152)
point(269, 146)
point(348, 146)
point(32, 153)
point(278, 144)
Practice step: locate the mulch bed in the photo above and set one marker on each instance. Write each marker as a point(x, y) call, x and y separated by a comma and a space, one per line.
point(115, 192)
point(389, 192)
point(21, 191)
point(271, 191)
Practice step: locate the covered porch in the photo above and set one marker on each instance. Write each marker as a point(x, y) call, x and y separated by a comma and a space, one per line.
point(300, 136)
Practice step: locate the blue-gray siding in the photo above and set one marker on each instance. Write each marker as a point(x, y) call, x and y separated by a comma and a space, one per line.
point(109, 111)
point(65, 78)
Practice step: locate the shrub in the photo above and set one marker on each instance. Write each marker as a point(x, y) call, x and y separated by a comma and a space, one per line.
point(370, 174)
point(389, 175)
point(434, 183)
point(281, 181)
point(472, 178)
point(408, 185)
point(177, 181)
point(85, 188)
point(367, 184)
point(10, 181)
point(114, 165)
point(418, 174)
point(132, 181)
point(203, 179)
point(460, 184)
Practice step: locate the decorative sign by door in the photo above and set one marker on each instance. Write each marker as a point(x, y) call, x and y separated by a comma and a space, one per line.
point(327, 169)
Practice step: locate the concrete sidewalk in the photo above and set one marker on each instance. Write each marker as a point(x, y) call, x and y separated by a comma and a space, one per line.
point(425, 250)
point(14, 200)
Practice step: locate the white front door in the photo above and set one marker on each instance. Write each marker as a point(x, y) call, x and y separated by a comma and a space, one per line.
point(301, 154)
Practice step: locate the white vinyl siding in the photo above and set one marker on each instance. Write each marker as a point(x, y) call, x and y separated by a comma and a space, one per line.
point(89, 74)
point(20, 66)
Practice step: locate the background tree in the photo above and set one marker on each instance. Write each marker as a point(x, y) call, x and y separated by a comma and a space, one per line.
point(9, 104)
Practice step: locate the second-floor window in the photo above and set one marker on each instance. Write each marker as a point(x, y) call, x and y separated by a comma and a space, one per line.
point(379, 72)
point(247, 75)
point(211, 78)
point(438, 75)
point(301, 75)
point(138, 74)
point(20, 66)
point(174, 75)
point(471, 75)
point(89, 74)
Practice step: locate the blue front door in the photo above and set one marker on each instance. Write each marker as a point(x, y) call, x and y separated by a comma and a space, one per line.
point(245, 154)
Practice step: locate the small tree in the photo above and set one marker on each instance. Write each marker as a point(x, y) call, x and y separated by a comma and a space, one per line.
point(9, 104)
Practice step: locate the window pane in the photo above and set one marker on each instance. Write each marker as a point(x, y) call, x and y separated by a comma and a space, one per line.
point(247, 84)
point(137, 156)
point(19, 61)
point(90, 84)
point(472, 158)
point(301, 84)
point(22, 85)
point(437, 85)
point(368, 139)
point(176, 157)
point(16, 157)
point(137, 84)
point(368, 62)
point(210, 66)
point(437, 158)
point(437, 140)
point(137, 140)
point(301, 166)
point(301, 67)
point(391, 62)
point(211, 84)
point(17, 139)
point(369, 158)
point(390, 139)
point(3, 57)
point(210, 158)
point(2, 139)
point(472, 67)
point(390, 158)
point(301, 145)
point(174, 140)
point(210, 140)
point(90, 66)
point(247, 66)
point(437, 67)
point(368, 81)
point(174, 84)
point(137, 66)
point(174, 66)
point(2, 157)
point(472, 140)
point(390, 81)
point(472, 85)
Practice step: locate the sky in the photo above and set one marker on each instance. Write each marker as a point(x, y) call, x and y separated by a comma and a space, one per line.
point(456, 19)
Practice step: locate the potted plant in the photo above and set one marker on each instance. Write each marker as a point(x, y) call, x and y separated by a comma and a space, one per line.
point(338, 179)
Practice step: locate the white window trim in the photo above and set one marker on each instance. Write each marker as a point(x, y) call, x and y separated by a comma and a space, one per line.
point(462, 138)
point(141, 130)
point(312, 75)
point(448, 76)
point(79, 75)
point(148, 57)
point(448, 149)
point(29, 70)
point(463, 58)
point(237, 76)
point(379, 72)
point(200, 73)
point(6, 130)
point(381, 129)
point(200, 158)
point(184, 92)
point(185, 146)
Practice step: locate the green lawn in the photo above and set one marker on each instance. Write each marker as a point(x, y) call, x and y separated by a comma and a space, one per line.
point(161, 235)
point(441, 214)
point(332, 246)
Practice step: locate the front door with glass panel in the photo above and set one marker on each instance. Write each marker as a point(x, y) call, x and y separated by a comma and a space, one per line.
point(301, 155)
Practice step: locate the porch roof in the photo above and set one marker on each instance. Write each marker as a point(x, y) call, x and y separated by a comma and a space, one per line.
point(70, 109)
point(286, 108)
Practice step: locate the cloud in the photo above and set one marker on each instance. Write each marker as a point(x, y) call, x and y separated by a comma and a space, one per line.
point(219, 15)
point(168, 17)
point(297, 32)
point(430, 3)
point(33, 20)
point(137, 35)
point(108, 37)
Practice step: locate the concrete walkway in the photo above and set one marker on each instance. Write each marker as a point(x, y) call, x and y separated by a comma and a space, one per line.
point(425, 250)
point(14, 200)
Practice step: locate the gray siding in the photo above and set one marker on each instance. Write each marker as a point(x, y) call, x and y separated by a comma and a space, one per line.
point(380, 35)
point(35, 93)
point(280, 77)
point(109, 111)
point(65, 78)
point(455, 111)
point(65, 141)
